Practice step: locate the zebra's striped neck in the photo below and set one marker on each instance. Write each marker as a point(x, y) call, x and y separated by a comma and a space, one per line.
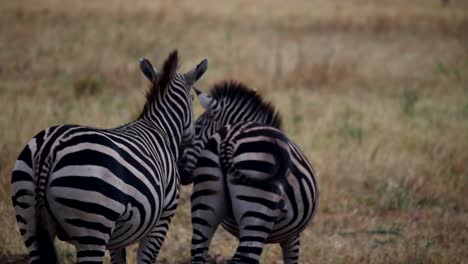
point(163, 116)
point(168, 104)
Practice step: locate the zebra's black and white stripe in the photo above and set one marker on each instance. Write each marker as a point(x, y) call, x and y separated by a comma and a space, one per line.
point(248, 177)
point(107, 188)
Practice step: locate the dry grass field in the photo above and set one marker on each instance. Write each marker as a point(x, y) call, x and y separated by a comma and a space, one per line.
point(375, 92)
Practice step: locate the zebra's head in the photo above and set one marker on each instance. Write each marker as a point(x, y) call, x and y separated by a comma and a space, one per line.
point(229, 102)
point(169, 101)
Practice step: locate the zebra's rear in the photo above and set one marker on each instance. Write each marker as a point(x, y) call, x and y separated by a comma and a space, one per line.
point(256, 183)
point(31, 217)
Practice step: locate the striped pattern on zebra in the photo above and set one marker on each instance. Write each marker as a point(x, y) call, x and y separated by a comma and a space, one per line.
point(248, 177)
point(107, 188)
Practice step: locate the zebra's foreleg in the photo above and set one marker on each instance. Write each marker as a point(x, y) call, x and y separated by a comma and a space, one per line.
point(118, 256)
point(291, 249)
point(148, 250)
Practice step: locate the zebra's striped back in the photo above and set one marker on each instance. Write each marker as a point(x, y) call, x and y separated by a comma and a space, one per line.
point(250, 178)
point(107, 188)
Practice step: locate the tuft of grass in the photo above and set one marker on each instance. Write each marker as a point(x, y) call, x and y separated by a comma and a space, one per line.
point(89, 86)
point(464, 111)
point(296, 115)
point(351, 129)
point(453, 71)
point(326, 72)
point(410, 98)
point(394, 196)
point(378, 231)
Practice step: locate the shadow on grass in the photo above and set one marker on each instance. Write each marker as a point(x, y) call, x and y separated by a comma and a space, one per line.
point(23, 259)
point(13, 259)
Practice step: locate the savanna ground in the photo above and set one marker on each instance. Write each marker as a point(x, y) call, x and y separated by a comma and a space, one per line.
point(375, 92)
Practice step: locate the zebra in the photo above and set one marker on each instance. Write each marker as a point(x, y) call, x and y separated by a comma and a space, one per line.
point(247, 176)
point(104, 189)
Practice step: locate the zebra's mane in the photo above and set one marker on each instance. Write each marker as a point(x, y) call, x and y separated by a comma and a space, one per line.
point(160, 84)
point(234, 92)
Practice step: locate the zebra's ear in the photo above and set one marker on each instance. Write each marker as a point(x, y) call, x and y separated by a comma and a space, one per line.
point(195, 74)
point(148, 70)
point(203, 98)
point(205, 101)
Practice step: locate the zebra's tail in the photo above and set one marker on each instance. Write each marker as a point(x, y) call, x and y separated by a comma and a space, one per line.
point(44, 222)
point(47, 252)
point(29, 205)
point(282, 156)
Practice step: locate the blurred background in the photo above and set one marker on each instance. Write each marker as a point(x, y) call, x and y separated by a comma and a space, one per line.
point(375, 93)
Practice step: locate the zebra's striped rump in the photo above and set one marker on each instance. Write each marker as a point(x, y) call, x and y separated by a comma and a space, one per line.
point(230, 188)
point(107, 188)
point(261, 155)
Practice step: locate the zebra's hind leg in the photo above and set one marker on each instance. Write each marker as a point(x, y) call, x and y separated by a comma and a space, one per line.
point(148, 250)
point(25, 207)
point(90, 254)
point(208, 201)
point(256, 209)
point(118, 256)
point(251, 242)
point(255, 225)
point(206, 218)
point(291, 248)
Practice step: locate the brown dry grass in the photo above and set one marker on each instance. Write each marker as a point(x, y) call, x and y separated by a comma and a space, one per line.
point(374, 92)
